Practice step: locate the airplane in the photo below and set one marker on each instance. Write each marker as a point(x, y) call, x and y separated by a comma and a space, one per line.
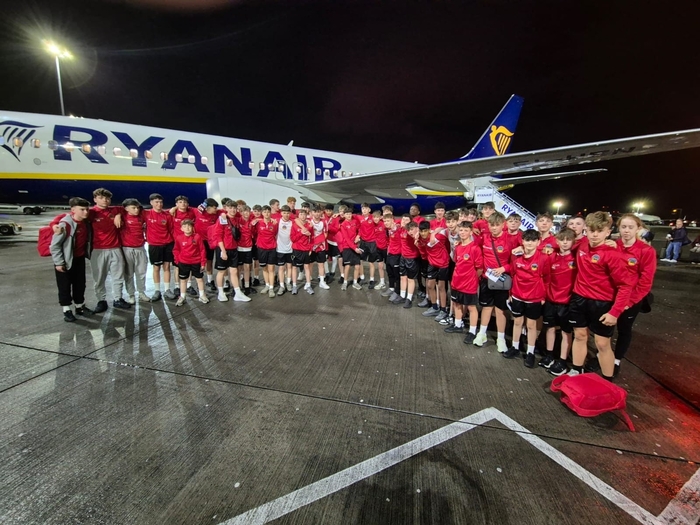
point(48, 159)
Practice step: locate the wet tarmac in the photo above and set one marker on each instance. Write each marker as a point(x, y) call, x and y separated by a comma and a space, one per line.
point(331, 408)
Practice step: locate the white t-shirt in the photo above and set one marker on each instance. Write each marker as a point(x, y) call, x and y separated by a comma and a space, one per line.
point(284, 237)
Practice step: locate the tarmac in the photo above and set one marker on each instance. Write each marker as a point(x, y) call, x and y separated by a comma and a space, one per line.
point(332, 408)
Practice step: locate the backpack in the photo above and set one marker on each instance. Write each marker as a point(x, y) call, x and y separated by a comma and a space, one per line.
point(590, 395)
point(43, 244)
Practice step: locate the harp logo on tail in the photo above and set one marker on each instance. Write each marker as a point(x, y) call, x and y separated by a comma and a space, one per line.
point(15, 135)
point(500, 139)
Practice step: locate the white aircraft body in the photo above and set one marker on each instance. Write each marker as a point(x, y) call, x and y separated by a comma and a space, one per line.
point(47, 159)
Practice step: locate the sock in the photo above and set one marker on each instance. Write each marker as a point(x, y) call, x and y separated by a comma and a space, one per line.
point(83, 304)
point(362, 277)
point(516, 345)
point(162, 287)
point(246, 284)
point(334, 266)
point(381, 281)
point(288, 280)
point(617, 361)
point(483, 328)
point(325, 266)
point(530, 349)
point(66, 308)
point(472, 330)
point(579, 369)
point(182, 294)
point(607, 378)
point(502, 335)
point(220, 289)
point(409, 296)
point(550, 353)
point(434, 307)
point(444, 309)
point(459, 323)
point(237, 290)
point(210, 277)
point(403, 294)
point(523, 331)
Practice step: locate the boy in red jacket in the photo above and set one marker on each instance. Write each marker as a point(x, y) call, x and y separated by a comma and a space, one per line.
point(191, 259)
point(301, 250)
point(226, 256)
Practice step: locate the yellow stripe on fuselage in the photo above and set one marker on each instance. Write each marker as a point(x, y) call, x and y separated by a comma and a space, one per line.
point(104, 176)
point(435, 193)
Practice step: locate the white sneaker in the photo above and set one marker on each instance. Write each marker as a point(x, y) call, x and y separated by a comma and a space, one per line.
point(664, 260)
point(501, 346)
point(672, 260)
point(222, 297)
point(300, 277)
point(265, 289)
point(380, 286)
point(203, 299)
point(573, 372)
point(308, 289)
point(271, 293)
point(357, 286)
point(143, 297)
point(322, 284)
point(131, 299)
point(241, 297)
point(180, 301)
point(344, 286)
point(480, 339)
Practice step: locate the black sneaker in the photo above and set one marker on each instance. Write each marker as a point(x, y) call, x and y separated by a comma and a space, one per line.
point(68, 317)
point(371, 285)
point(421, 294)
point(424, 303)
point(359, 281)
point(530, 360)
point(211, 286)
point(121, 303)
point(250, 291)
point(592, 365)
point(329, 278)
point(398, 300)
point(616, 371)
point(408, 303)
point(546, 361)
point(192, 291)
point(341, 280)
point(455, 330)
point(176, 291)
point(558, 368)
point(83, 310)
point(469, 338)
point(100, 307)
point(227, 288)
point(511, 353)
point(256, 282)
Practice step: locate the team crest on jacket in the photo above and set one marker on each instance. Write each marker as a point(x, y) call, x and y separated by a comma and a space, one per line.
point(595, 258)
point(534, 266)
point(500, 249)
point(466, 257)
point(571, 265)
point(631, 261)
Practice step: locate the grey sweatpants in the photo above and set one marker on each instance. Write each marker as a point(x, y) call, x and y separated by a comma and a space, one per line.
point(135, 266)
point(109, 261)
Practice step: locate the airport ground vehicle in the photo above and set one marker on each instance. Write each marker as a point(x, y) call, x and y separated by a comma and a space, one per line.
point(27, 209)
point(9, 227)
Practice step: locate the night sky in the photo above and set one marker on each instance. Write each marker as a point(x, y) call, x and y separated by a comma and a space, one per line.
point(416, 81)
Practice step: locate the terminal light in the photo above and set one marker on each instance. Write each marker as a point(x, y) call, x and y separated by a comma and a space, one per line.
point(59, 53)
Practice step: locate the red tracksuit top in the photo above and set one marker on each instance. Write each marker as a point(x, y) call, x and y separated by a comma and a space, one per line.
point(246, 240)
point(105, 234)
point(222, 232)
point(202, 222)
point(366, 227)
point(380, 235)
point(438, 254)
point(159, 227)
point(266, 234)
point(395, 241)
point(504, 245)
point(409, 250)
point(300, 241)
point(347, 234)
point(529, 275)
point(181, 216)
point(561, 277)
point(133, 230)
point(641, 259)
point(468, 259)
point(190, 249)
point(603, 275)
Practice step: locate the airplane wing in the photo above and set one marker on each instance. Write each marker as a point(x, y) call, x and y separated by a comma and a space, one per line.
point(447, 175)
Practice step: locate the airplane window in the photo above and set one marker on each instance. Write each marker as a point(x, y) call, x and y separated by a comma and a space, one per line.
point(148, 154)
point(178, 157)
point(53, 145)
point(134, 153)
point(204, 160)
point(69, 147)
point(298, 169)
point(326, 173)
point(18, 142)
point(36, 143)
point(163, 156)
point(343, 173)
point(318, 171)
point(335, 173)
point(349, 173)
point(308, 171)
point(270, 167)
point(229, 163)
point(262, 165)
point(190, 159)
point(101, 150)
point(2, 141)
point(86, 148)
point(117, 152)
point(251, 164)
point(280, 168)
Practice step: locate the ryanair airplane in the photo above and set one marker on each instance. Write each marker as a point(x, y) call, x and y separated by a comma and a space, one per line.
point(48, 159)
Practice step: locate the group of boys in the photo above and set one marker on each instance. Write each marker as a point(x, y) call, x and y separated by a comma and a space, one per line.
point(456, 254)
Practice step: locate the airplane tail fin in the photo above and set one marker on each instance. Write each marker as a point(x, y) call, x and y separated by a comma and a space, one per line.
point(497, 138)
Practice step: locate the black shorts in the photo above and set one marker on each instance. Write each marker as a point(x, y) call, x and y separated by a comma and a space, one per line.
point(393, 260)
point(465, 299)
point(423, 267)
point(266, 257)
point(333, 250)
point(318, 257)
point(585, 313)
point(157, 255)
point(369, 251)
point(409, 267)
point(300, 258)
point(245, 257)
point(210, 252)
point(185, 270)
point(381, 255)
point(439, 274)
point(489, 297)
point(254, 251)
point(530, 310)
point(284, 258)
point(350, 257)
point(556, 315)
point(231, 262)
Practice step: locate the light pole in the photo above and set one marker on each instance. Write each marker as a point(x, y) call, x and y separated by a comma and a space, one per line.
point(638, 205)
point(58, 54)
point(558, 204)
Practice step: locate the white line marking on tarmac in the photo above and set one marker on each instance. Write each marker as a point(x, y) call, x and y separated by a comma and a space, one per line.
point(681, 510)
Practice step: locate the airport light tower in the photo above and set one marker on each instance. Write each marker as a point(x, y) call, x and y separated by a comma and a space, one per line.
point(59, 53)
point(558, 205)
point(638, 205)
